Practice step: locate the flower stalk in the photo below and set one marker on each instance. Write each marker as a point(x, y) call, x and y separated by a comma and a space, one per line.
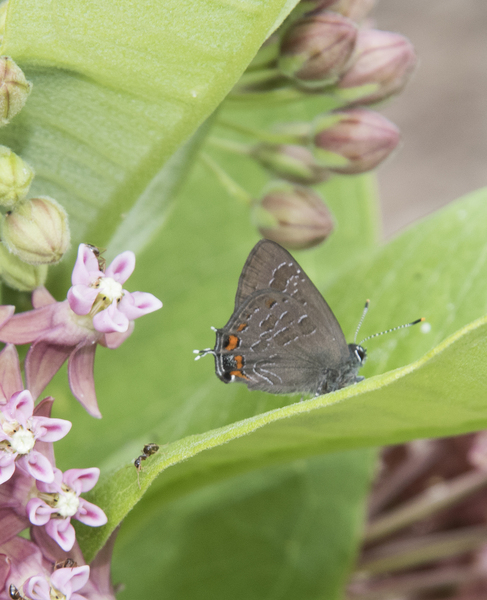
point(228, 183)
point(419, 550)
point(435, 498)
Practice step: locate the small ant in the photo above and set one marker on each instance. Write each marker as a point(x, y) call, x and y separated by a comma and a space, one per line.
point(149, 450)
point(14, 593)
point(102, 263)
point(68, 563)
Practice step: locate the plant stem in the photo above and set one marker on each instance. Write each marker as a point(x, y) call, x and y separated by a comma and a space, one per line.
point(279, 96)
point(230, 185)
point(230, 145)
point(432, 500)
point(412, 583)
point(269, 137)
point(421, 455)
point(259, 76)
point(420, 550)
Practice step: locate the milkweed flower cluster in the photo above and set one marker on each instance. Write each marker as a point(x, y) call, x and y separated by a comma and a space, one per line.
point(97, 311)
point(324, 48)
point(34, 493)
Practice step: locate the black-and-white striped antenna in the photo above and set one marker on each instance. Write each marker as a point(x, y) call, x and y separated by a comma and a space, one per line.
point(366, 308)
point(206, 351)
point(201, 353)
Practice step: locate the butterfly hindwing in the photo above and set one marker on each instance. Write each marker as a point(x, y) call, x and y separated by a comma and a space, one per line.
point(274, 343)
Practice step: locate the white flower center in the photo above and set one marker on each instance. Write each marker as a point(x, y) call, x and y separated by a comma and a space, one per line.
point(109, 289)
point(67, 504)
point(22, 441)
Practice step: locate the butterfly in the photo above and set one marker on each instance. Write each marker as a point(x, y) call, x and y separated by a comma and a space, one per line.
point(282, 337)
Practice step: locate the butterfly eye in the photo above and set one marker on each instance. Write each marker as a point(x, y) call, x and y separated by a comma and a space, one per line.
point(361, 354)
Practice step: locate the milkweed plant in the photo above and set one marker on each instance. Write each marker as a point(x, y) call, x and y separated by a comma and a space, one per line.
point(175, 134)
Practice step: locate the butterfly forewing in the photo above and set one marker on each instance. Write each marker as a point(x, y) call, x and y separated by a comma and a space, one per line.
point(270, 266)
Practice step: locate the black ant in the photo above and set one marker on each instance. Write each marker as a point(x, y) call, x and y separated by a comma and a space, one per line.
point(149, 450)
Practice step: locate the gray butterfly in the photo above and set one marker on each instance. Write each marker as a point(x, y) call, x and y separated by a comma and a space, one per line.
point(283, 337)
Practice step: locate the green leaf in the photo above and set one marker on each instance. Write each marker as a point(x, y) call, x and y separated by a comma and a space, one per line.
point(286, 532)
point(118, 87)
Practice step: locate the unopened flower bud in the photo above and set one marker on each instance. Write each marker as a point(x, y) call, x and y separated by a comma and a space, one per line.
point(37, 231)
point(356, 10)
point(380, 67)
point(354, 140)
point(14, 89)
point(19, 275)
point(317, 47)
point(292, 162)
point(293, 216)
point(15, 177)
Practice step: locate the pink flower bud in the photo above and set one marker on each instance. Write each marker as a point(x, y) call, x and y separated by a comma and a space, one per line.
point(381, 66)
point(354, 140)
point(291, 162)
point(317, 47)
point(294, 216)
point(14, 89)
point(37, 231)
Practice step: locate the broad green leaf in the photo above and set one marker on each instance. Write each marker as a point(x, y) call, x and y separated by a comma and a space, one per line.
point(286, 532)
point(118, 87)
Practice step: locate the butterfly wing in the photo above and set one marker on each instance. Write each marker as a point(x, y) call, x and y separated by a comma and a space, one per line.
point(271, 266)
point(275, 343)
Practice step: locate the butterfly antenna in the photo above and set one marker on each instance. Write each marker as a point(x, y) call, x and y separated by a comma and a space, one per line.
point(393, 329)
point(202, 353)
point(206, 351)
point(366, 308)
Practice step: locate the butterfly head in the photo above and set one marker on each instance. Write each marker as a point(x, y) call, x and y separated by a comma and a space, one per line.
point(358, 354)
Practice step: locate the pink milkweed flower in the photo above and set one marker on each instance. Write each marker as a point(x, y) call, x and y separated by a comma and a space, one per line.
point(101, 295)
point(97, 311)
point(20, 428)
point(99, 585)
point(19, 431)
point(62, 583)
point(58, 502)
point(20, 559)
point(21, 487)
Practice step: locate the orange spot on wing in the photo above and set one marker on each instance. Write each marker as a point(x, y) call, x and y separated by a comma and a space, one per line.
point(238, 374)
point(242, 326)
point(239, 361)
point(232, 343)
